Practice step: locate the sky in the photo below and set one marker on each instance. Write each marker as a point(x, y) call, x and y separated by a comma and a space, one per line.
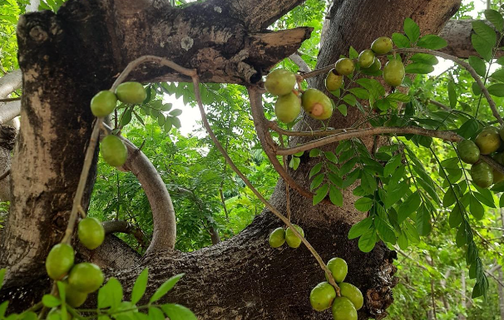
point(190, 116)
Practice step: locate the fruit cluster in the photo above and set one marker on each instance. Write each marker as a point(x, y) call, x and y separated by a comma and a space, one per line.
point(314, 102)
point(113, 150)
point(323, 295)
point(280, 235)
point(488, 142)
point(83, 278)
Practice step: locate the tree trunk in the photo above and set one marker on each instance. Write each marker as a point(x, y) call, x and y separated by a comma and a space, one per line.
point(68, 57)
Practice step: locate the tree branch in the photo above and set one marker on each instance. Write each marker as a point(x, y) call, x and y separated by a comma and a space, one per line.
point(121, 226)
point(9, 110)
point(10, 82)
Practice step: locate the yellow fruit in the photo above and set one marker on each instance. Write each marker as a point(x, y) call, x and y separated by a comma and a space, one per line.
point(343, 309)
point(317, 104)
point(322, 296)
point(85, 277)
point(382, 45)
point(131, 92)
point(292, 240)
point(288, 107)
point(277, 238)
point(339, 269)
point(352, 293)
point(482, 175)
point(468, 151)
point(59, 261)
point(280, 82)
point(113, 151)
point(366, 58)
point(103, 103)
point(393, 72)
point(344, 66)
point(74, 297)
point(488, 140)
point(333, 81)
point(91, 233)
point(497, 176)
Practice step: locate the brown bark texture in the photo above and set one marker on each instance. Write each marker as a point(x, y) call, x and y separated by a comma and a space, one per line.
point(68, 57)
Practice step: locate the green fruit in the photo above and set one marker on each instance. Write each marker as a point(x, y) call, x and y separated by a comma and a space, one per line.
point(482, 175)
point(497, 176)
point(382, 45)
point(353, 293)
point(468, 151)
point(376, 66)
point(322, 296)
point(393, 72)
point(366, 58)
point(343, 309)
point(113, 151)
point(280, 82)
point(103, 103)
point(344, 66)
point(317, 104)
point(131, 92)
point(333, 81)
point(74, 297)
point(86, 277)
point(339, 269)
point(277, 238)
point(59, 261)
point(488, 140)
point(288, 107)
point(292, 240)
point(501, 133)
point(91, 233)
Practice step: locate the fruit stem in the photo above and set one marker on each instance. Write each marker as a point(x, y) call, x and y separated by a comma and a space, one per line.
point(88, 160)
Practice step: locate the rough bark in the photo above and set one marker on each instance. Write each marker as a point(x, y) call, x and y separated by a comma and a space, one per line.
point(242, 278)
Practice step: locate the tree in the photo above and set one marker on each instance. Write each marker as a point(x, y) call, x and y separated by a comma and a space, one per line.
point(68, 57)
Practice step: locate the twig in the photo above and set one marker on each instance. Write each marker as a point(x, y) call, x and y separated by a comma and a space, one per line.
point(5, 174)
point(359, 133)
point(10, 99)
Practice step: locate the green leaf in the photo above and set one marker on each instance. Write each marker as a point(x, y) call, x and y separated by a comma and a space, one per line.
point(452, 94)
point(485, 32)
point(294, 163)
point(477, 210)
point(424, 58)
point(176, 122)
point(368, 182)
point(476, 89)
point(363, 204)
point(411, 29)
point(360, 228)
point(395, 194)
point(449, 198)
point(460, 238)
point(111, 294)
point(336, 196)
point(360, 93)
point(165, 287)
point(482, 47)
point(140, 286)
point(342, 108)
point(400, 40)
point(399, 97)
point(2, 276)
point(497, 89)
point(455, 217)
point(469, 128)
point(50, 301)
point(498, 75)
point(350, 99)
point(320, 194)
point(419, 68)
point(3, 308)
point(480, 288)
point(403, 242)
point(314, 153)
point(317, 181)
point(501, 201)
point(431, 41)
point(495, 18)
point(126, 117)
point(422, 221)
point(409, 206)
point(316, 169)
point(392, 164)
point(352, 53)
point(178, 312)
point(485, 196)
point(367, 241)
point(156, 314)
point(28, 315)
point(478, 65)
point(385, 231)
point(350, 178)
point(331, 157)
point(175, 112)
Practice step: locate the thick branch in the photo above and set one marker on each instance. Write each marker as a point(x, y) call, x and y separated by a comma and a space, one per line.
point(121, 226)
point(10, 82)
